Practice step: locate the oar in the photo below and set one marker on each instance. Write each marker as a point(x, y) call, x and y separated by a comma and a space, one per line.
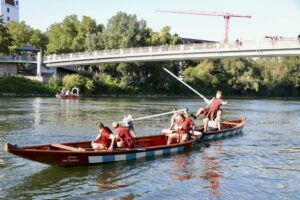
point(157, 115)
point(195, 91)
point(184, 83)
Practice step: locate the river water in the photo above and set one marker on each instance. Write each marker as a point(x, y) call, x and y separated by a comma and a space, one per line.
point(262, 163)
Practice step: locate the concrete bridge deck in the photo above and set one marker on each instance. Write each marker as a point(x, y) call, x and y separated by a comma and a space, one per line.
point(254, 48)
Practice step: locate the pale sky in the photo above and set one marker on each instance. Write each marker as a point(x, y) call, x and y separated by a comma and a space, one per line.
point(269, 17)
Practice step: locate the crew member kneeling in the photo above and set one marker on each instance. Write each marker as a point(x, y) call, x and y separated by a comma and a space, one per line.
point(124, 138)
point(105, 139)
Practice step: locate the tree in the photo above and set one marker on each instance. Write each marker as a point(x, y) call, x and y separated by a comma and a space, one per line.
point(241, 75)
point(94, 41)
point(23, 34)
point(164, 37)
point(5, 38)
point(75, 80)
point(70, 34)
point(280, 76)
point(124, 31)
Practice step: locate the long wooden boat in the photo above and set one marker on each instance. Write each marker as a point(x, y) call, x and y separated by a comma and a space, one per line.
point(81, 153)
point(229, 128)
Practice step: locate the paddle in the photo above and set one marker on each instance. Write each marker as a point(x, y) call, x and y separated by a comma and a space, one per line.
point(184, 83)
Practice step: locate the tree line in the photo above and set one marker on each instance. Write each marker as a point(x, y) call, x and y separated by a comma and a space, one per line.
point(240, 76)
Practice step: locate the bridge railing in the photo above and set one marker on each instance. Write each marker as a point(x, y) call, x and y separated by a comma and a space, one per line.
point(275, 43)
point(17, 58)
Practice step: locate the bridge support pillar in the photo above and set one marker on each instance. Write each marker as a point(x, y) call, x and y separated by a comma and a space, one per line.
point(55, 72)
point(39, 64)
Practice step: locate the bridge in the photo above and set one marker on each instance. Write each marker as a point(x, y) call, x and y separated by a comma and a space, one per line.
point(18, 59)
point(251, 48)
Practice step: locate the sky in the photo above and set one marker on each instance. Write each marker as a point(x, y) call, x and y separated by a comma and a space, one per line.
point(269, 17)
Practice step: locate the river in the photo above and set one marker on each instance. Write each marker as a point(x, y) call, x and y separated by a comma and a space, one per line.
point(262, 163)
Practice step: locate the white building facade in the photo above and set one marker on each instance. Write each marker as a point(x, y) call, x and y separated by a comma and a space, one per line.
point(10, 10)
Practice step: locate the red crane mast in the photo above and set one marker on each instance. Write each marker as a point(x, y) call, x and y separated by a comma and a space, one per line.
point(226, 16)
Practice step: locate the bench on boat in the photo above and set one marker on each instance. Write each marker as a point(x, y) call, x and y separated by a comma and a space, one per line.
point(65, 147)
point(230, 123)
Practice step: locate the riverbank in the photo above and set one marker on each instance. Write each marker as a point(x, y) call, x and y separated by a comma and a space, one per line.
point(9, 95)
point(22, 87)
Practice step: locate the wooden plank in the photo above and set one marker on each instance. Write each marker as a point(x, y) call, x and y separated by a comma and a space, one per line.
point(230, 123)
point(65, 147)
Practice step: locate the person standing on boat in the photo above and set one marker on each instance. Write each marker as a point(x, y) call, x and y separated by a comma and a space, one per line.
point(185, 125)
point(210, 112)
point(215, 125)
point(105, 139)
point(124, 138)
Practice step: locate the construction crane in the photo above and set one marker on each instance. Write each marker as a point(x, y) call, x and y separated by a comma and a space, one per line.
point(226, 16)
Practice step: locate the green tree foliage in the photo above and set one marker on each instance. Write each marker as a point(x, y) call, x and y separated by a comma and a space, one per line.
point(241, 75)
point(280, 76)
point(23, 34)
point(5, 38)
point(70, 34)
point(94, 42)
point(164, 37)
point(125, 30)
point(54, 84)
point(75, 80)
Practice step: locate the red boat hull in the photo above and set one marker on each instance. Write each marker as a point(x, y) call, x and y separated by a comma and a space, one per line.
point(61, 96)
point(66, 155)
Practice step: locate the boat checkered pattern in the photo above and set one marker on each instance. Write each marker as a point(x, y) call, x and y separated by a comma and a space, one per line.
point(133, 156)
point(222, 135)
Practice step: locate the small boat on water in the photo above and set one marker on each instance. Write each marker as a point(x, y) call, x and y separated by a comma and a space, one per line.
point(229, 128)
point(73, 94)
point(81, 153)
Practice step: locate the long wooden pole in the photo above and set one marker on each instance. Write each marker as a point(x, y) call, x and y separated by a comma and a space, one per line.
point(157, 115)
point(184, 83)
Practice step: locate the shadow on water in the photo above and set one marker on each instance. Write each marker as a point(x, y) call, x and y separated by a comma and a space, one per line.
point(52, 179)
point(57, 182)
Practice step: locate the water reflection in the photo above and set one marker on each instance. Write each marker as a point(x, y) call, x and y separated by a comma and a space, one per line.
point(37, 115)
point(211, 170)
point(108, 180)
point(181, 167)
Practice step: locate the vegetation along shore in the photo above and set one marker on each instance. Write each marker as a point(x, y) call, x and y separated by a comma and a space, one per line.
point(244, 77)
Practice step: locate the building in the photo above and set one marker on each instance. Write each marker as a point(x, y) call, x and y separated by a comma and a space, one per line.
point(10, 10)
point(196, 41)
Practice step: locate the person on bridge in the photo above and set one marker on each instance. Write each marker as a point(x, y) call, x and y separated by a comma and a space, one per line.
point(124, 138)
point(210, 112)
point(105, 139)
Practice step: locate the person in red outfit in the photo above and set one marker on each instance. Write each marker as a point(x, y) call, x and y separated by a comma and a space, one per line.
point(185, 125)
point(124, 138)
point(210, 112)
point(105, 139)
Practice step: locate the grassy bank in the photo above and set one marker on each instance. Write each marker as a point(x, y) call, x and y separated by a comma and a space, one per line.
point(20, 86)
